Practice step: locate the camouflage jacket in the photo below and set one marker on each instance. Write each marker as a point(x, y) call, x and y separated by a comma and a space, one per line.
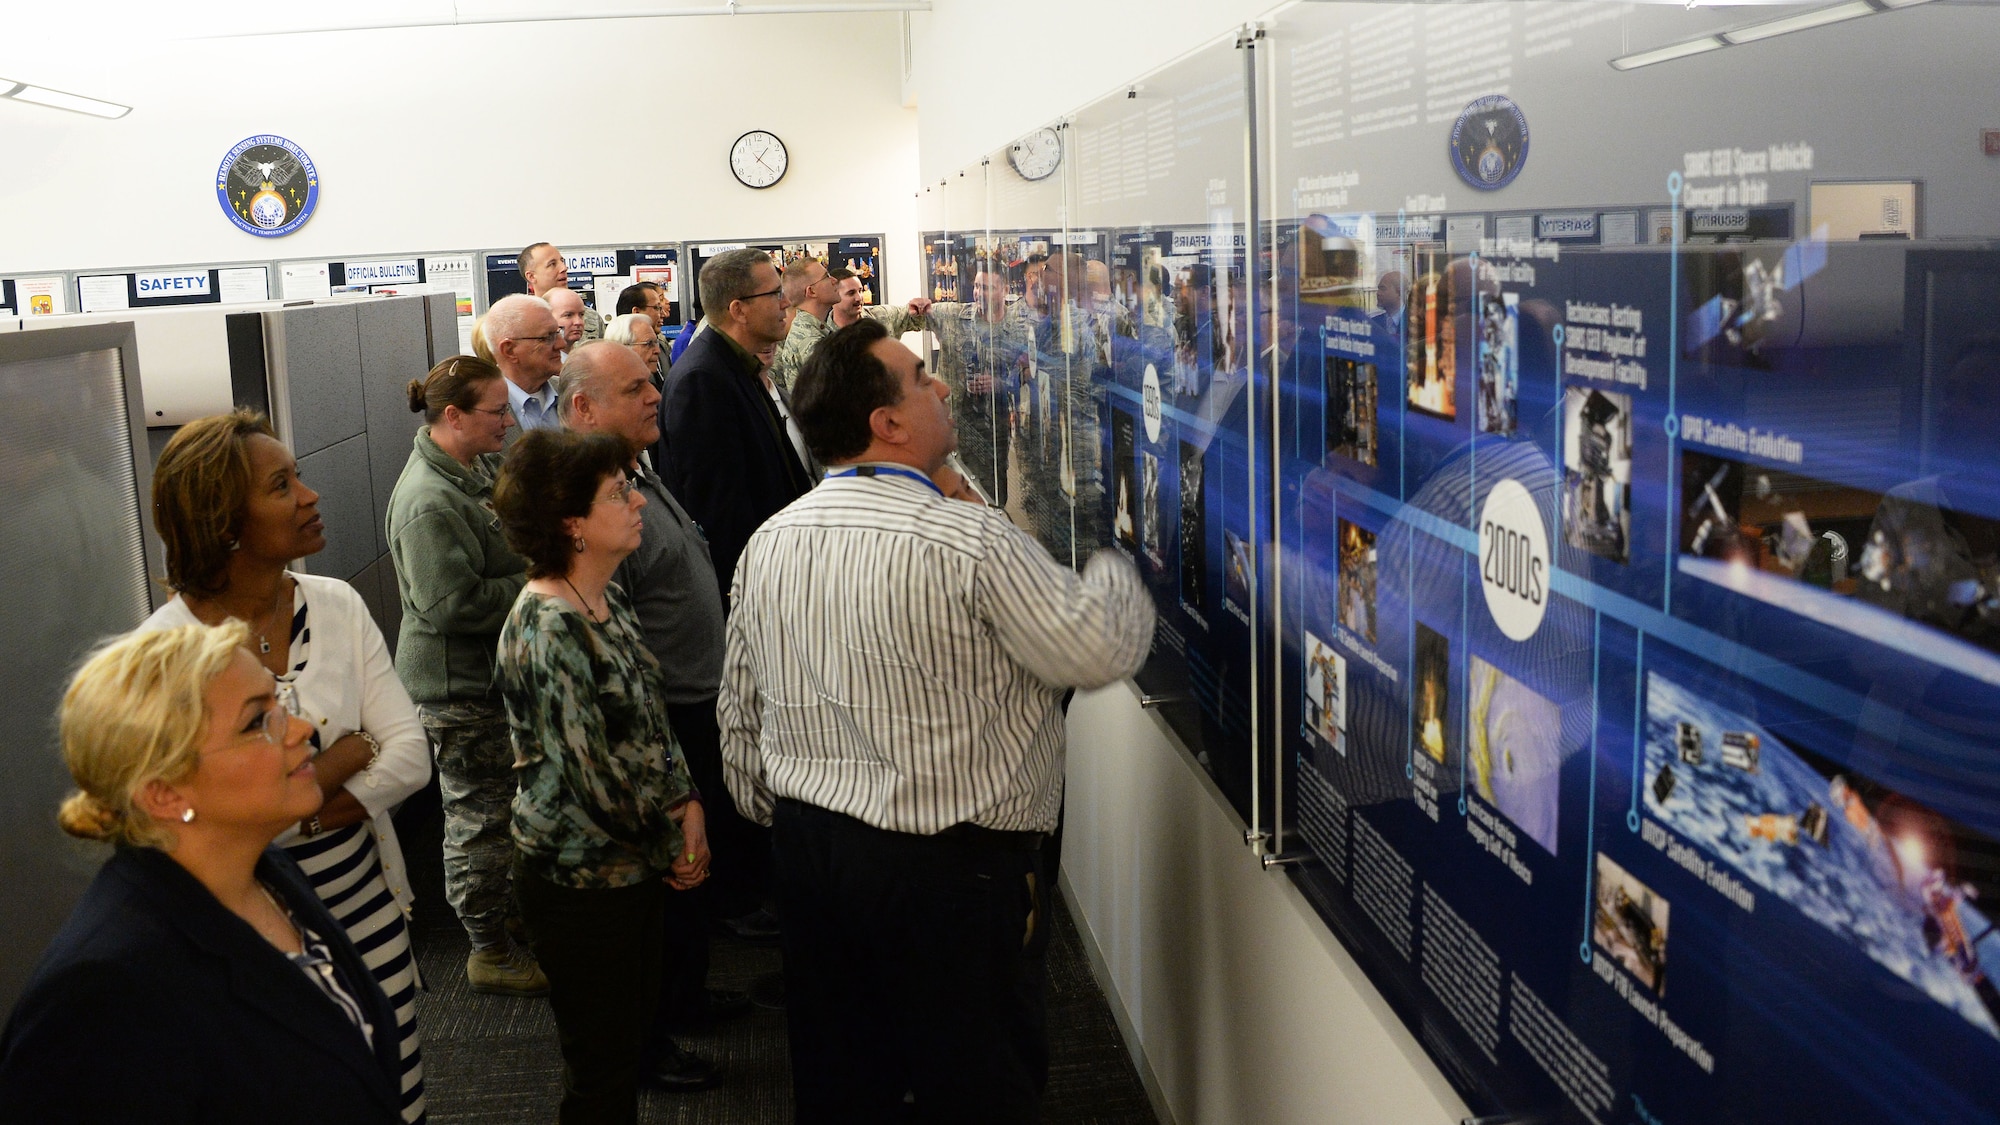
point(806, 333)
point(969, 344)
point(598, 767)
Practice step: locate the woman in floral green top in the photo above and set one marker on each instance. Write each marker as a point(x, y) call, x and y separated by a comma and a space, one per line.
point(606, 818)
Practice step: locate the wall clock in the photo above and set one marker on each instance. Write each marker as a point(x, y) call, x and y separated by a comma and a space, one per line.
point(758, 158)
point(1036, 155)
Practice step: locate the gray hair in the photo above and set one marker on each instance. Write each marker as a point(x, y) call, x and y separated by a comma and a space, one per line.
point(580, 373)
point(629, 329)
point(508, 316)
point(726, 277)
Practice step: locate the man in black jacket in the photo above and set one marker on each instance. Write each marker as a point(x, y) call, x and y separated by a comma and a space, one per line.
point(724, 447)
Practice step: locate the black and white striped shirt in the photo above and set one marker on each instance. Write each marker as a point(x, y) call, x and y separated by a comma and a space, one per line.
point(901, 658)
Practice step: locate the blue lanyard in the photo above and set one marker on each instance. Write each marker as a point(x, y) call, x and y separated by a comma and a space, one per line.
point(888, 470)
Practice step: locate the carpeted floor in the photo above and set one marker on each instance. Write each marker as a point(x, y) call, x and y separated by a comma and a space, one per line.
point(493, 1061)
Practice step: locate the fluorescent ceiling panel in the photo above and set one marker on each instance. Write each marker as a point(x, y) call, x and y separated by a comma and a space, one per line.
point(1667, 53)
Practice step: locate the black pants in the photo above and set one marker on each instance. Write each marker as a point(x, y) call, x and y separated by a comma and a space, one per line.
point(739, 875)
point(601, 950)
point(912, 964)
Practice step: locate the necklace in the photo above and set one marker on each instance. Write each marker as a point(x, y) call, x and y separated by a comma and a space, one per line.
point(261, 626)
point(585, 602)
point(264, 646)
point(284, 917)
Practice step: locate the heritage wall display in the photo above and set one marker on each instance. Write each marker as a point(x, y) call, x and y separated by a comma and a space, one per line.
point(1582, 567)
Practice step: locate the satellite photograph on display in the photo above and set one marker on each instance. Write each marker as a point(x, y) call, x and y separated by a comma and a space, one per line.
point(1630, 924)
point(1149, 508)
point(1431, 727)
point(1499, 362)
point(1894, 878)
point(1597, 472)
point(1125, 521)
point(1516, 751)
point(1326, 693)
point(1902, 552)
point(1357, 581)
point(1431, 358)
point(1194, 531)
point(1350, 409)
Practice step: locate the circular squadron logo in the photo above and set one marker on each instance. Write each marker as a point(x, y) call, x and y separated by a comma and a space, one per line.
point(268, 185)
point(1489, 142)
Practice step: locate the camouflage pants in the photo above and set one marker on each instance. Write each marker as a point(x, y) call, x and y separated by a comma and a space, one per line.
point(475, 767)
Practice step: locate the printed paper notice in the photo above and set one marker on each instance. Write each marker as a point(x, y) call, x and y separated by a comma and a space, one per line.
point(305, 281)
point(102, 293)
point(452, 272)
point(40, 296)
point(244, 284)
point(1620, 228)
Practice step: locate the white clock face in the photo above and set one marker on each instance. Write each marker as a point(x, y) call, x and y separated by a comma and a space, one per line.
point(1036, 155)
point(758, 158)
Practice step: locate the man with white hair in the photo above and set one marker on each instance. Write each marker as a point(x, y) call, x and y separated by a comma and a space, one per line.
point(543, 268)
point(521, 331)
point(637, 332)
point(569, 312)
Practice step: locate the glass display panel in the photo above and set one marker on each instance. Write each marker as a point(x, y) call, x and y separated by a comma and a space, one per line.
point(1638, 675)
point(1017, 369)
point(1160, 218)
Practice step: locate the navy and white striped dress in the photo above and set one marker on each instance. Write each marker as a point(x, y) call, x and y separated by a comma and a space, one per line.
point(345, 867)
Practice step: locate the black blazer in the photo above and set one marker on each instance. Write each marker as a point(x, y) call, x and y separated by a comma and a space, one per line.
point(723, 449)
point(154, 1003)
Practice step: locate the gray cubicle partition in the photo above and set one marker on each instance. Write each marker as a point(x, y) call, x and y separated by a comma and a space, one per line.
point(336, 374)
point(78, 561)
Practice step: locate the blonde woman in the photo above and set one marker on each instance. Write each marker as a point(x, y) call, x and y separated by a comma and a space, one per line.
point(234, 513)
point(200, 978)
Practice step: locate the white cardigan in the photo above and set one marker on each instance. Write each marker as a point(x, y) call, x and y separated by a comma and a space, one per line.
point(349, 684)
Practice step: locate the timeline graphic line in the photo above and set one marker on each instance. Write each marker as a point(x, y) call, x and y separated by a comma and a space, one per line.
point(1590, 814)
point(1638, 728)
point(1673, 421)
point(1835, 701)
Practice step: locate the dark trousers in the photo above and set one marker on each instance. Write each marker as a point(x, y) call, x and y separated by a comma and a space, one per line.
point(912, 964)
point(601, 951)
point(739, 874)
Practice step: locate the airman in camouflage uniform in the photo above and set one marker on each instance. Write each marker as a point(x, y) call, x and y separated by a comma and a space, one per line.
point(472, 746)
point(982, 352)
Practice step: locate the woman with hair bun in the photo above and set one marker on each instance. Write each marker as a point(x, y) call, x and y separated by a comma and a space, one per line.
point(234, 514)
point(200, 977)
point(457, 579)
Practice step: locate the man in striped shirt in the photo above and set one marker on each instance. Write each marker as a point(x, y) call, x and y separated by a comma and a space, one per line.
point(892, 706)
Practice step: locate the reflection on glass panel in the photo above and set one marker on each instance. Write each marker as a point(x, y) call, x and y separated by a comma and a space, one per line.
point(1159, 219)
point(1642, 532)
point(1626, 612)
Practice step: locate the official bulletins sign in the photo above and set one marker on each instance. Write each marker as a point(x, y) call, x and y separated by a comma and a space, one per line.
point(171, 283)
point(401, 271)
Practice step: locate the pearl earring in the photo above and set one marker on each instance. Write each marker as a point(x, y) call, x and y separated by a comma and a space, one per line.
point(187, 816)
point(581, 546)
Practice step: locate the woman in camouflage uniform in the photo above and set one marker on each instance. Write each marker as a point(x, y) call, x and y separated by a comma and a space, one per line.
point(606, 818)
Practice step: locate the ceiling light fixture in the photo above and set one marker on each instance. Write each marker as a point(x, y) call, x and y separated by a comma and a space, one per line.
point(56, 99)
point(1783, 25)
point(1766, 29)
point(1667, 53)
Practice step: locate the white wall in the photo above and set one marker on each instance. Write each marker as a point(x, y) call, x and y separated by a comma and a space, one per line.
point(987, 71)
point(1247, 1008)
point(456, 138)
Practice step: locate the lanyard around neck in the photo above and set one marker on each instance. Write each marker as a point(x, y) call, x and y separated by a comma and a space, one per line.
point(888, 470)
